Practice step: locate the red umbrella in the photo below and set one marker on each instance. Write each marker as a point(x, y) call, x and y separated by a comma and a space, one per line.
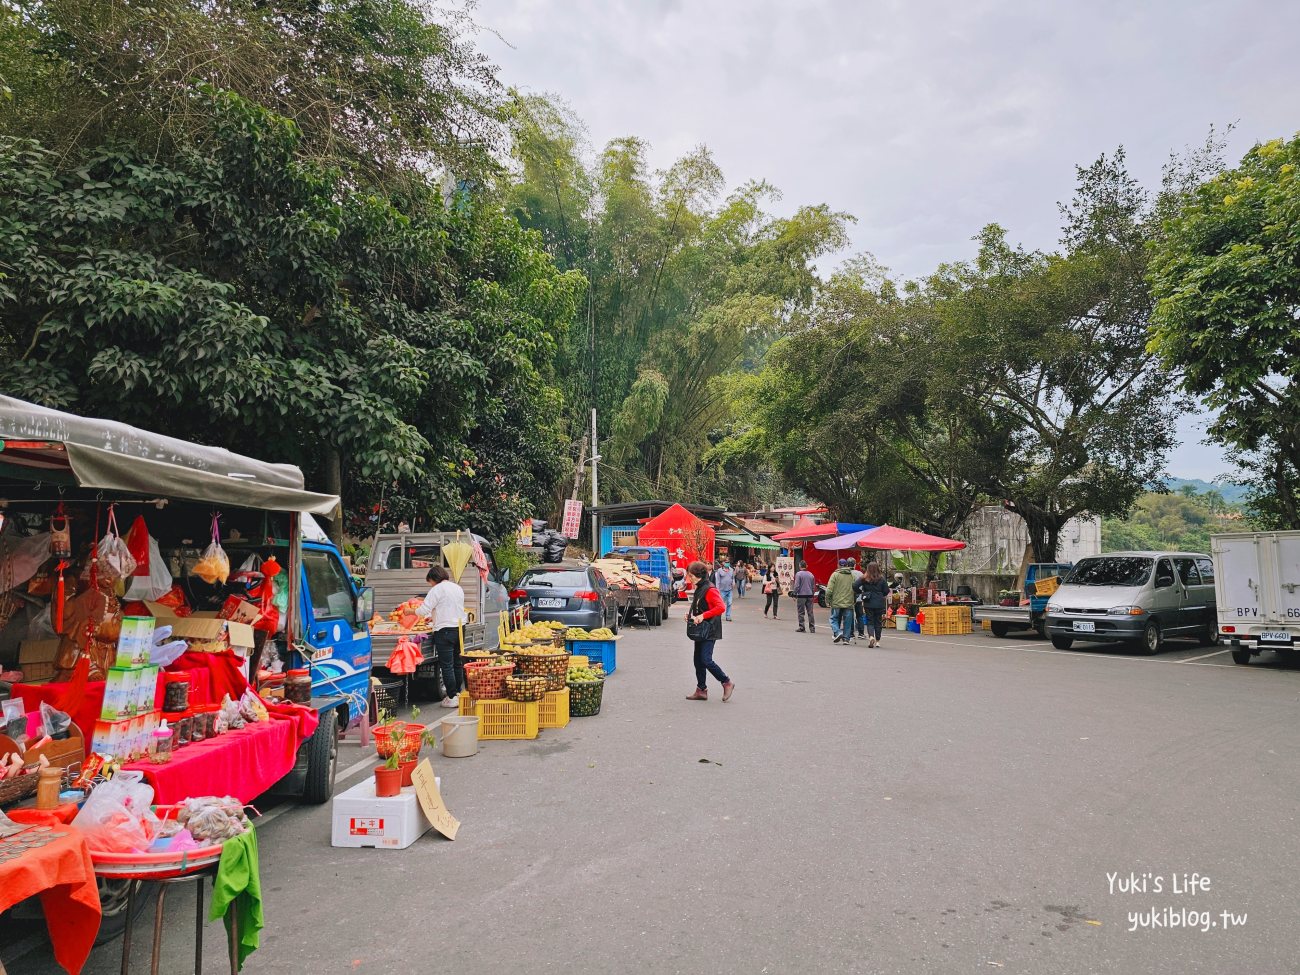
point(889, 538)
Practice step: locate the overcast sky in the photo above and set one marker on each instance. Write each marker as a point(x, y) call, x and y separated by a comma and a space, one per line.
point(925, 120)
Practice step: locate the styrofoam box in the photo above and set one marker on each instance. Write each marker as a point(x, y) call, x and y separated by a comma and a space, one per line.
point(360, 818)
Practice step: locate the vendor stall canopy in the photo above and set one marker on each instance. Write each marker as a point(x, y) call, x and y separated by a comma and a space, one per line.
point(37, 443)
point(889, 538)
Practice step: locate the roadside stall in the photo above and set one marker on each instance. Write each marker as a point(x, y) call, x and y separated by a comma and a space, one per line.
point(922, 609)
point(803, 542)
point(167, 634)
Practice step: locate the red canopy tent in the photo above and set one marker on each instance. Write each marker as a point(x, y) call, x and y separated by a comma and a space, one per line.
point(686, 536)
point(889, 538)
point(820, 564)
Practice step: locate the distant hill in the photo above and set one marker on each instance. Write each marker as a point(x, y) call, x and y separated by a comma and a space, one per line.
point(1232, 492)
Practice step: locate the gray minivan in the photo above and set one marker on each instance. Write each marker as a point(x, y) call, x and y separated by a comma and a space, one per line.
point(1139, 597)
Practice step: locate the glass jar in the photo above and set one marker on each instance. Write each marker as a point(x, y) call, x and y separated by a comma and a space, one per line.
point(176, 692)
point(204, 718)
point(160, 745)
point(297, 687)
point(184, 729)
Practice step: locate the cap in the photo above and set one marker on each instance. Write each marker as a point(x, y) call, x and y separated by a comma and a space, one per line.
point(844, 563)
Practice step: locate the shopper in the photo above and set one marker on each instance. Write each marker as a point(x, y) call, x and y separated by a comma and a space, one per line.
point(444, 607)
point(724, 577)
point(805, 591)
point(839, 597)
point(772, 590)
point(873, 595)
point(704, 629)
point(742, 579)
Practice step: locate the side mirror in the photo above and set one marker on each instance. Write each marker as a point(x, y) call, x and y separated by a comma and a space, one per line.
point(1163, 582)
point(504, 576)
point(363, 608)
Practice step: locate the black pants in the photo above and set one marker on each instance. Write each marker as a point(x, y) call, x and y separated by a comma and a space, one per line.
point(772, 598)
point(704, 662)
point(875, 620)
point(445, 644)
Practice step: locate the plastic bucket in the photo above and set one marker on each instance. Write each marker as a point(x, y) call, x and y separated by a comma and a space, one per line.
point(459, 736)
point(900, 622)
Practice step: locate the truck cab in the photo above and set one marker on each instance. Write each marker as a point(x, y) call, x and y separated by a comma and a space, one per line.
point(1028, 613)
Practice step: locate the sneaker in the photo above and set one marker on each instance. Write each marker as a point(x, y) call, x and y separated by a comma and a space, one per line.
point(812, 629)
point(451, 702)
point(801, 630)
point(699, 695)
point(727, 688)
point(871, 643)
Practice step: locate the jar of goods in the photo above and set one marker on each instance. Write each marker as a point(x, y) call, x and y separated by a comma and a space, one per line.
point(176, 691)
point(48, 787)
point(297, 687)
point(205, 717)
point(160, 744)
point(184, 728)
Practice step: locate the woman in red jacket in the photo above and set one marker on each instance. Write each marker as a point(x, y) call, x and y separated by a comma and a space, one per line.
point(704, 627)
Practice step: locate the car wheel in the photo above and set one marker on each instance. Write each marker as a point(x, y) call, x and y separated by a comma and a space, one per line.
point(1210, 635)
point(668, 603)
point(1153, 640)
point(1241, 656)
point(322, 760)
point(1062, 642)
point(999, 630)
point(654, 615)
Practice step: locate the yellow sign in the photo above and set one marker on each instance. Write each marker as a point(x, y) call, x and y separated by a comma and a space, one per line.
point(435, 810)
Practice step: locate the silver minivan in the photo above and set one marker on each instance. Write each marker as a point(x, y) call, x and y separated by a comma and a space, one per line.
point(1138, 597)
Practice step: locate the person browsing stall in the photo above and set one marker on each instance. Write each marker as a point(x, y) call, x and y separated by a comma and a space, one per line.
point(444, 607)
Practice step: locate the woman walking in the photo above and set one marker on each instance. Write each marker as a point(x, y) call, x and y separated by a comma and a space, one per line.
point(772, 590)
point(873, 591)
point(704, 628)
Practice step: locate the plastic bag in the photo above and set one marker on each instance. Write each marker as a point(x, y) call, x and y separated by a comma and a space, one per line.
point(229, 718)
point(174, 599)
point(213, 566)
point(15, 721)
point(54, 722)
point(163, 654)
point(115, 561)
point(21, 557)
point(137, 543)
point(117, 817)
point(252, 708)
point(156, 582)
point(213, 818)
point(41, 627)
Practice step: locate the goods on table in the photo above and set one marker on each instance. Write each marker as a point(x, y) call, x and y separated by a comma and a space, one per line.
point(526, 688)
point(577, 633)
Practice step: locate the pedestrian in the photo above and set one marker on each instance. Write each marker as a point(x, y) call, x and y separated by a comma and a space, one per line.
point(725, 579)
point(858, 616)
point(839, 597)
point(742, 579)
point(772, 590)
point(704, 629)
point(444, 607)
point(805, 590)
point(873, 594)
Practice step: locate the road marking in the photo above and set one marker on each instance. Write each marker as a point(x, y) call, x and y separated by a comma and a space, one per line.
point(1076, 654)
point(1213, 653)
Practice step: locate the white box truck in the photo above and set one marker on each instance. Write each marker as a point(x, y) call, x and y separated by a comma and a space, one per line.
point(1257, 581)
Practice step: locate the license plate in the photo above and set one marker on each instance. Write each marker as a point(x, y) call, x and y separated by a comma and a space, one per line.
point(1080, 627)
point(1276, 636)
point(550, 602)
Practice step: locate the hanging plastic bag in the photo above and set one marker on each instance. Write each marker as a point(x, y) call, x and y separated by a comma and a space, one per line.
point(137, 543)
point(213, 566)
point(155, 583)
point(20, 558)
point(115, 561)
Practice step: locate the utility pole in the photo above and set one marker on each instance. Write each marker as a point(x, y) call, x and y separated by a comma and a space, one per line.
point(580, 470)
point(595, 459)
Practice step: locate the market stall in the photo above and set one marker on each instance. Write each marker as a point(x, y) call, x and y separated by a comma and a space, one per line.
point(803, 542)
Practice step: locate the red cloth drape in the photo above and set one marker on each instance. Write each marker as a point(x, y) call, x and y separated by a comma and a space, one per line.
point(61, 873)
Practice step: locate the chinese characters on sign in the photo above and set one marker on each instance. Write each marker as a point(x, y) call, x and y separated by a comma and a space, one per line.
point(572, 518)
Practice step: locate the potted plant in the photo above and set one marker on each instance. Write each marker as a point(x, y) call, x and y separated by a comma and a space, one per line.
point(388, 777)
point(384, 732)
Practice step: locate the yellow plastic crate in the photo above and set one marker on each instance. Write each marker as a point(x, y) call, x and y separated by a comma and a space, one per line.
point(578, 660)
point(986, 625)
point(1047, 586)
point(553, 711)
point(507, 719)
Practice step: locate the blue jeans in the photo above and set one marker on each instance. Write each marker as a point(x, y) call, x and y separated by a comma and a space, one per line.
point(741, 586)
point(842, 622)
point(726, 599)
point(704, 662)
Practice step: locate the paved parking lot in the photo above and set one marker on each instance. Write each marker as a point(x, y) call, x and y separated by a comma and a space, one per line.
point(938, 805)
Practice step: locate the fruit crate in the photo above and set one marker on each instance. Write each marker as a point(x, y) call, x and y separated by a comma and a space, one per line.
point(576, 660)
point(502, 719)
point(554, 710)
point(597, 652)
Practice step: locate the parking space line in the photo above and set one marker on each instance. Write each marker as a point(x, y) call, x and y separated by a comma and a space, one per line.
point(1192, 661)
point(1213, 653)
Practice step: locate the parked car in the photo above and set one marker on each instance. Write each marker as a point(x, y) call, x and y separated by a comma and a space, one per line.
point(1258, 585)
point(572, 596)
point(1138, 597)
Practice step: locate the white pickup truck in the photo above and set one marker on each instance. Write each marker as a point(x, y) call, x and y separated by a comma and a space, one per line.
point(1257, 582)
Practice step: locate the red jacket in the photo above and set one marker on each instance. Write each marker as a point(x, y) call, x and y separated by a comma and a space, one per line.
point(716, 606)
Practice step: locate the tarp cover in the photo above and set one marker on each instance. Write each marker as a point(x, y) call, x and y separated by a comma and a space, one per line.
point(747, 541)
point(889, 538)
point(111, 456)
point(807, 529)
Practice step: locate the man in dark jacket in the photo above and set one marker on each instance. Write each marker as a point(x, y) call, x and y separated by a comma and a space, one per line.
point(805, 589)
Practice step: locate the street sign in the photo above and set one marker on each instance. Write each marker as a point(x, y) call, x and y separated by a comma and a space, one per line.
point(572, 518)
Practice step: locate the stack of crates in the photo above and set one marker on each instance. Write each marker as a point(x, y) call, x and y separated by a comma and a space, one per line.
point(946, 620)
point(503, 719)
point(597, 652)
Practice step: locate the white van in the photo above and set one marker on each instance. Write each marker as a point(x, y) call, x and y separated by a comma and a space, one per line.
point(1137, 597)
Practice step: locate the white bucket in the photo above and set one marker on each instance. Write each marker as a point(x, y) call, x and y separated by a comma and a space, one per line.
point(458, 735)
point(900, 622)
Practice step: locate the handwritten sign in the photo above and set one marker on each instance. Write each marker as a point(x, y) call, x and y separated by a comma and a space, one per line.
point(572, 518)
point(435, 810)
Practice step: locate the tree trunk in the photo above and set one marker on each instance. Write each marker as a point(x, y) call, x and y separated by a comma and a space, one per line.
point(334, 485)
point(1044, 533)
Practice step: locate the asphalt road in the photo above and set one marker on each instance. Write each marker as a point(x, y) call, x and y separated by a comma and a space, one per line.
point(958, 804)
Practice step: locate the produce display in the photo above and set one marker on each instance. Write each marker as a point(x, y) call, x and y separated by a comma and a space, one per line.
point(531, 633)
point(586, 689)
point(404, 619)
point(577, 633)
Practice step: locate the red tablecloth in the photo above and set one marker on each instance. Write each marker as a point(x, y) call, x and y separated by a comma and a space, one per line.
point(85, 717)
point(62, 874)
point(243, 763)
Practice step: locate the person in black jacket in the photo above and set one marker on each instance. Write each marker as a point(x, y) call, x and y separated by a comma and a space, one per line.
point(872, 594)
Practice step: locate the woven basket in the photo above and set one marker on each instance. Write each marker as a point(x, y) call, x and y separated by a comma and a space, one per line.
point(486, 681)
point(585, 697)
point(384, 738)
point(526, 688)
point(543, 665)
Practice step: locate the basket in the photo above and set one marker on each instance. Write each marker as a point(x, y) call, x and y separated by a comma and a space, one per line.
point(553, 712)
point(543, 665)
point(486, 680)
point(525, 688)
point(384, 738)
point(507, 719)
point(584, 697)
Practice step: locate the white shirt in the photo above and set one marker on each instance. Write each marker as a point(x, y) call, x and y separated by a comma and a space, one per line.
point(444, 605)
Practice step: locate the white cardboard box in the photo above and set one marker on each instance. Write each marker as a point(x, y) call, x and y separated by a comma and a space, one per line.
point(360, 818)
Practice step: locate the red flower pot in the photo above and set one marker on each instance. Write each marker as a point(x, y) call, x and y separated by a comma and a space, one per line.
point(388, 781)
point(406, 768)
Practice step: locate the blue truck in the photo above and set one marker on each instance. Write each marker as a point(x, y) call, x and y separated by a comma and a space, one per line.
point(1026, 615)
point(650, 560)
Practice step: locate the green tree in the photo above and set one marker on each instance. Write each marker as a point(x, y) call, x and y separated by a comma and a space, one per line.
point(1226, 276)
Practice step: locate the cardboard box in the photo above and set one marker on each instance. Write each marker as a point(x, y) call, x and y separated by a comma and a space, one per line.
point(206, 631)
point(360, 818)
point(135, 641)
point(240, 611)
point(36, 659)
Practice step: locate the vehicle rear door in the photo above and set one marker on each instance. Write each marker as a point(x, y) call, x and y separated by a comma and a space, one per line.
point(1239, 572)
point(1286, 552)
